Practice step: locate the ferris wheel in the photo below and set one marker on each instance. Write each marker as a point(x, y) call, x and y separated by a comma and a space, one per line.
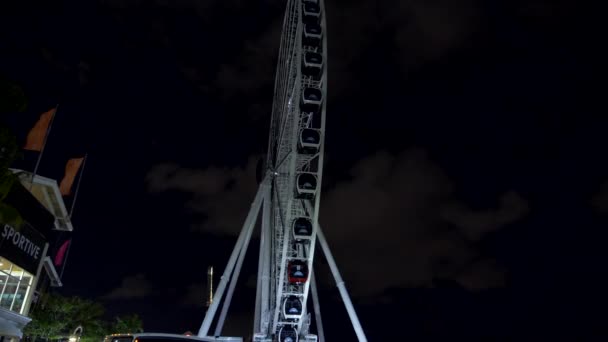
point(289, 193)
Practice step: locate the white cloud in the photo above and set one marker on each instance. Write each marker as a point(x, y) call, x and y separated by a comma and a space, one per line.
point(600, 200)
point(474, 223)
point(195, 296)
point(133, 286)
point(223, 195)
point(396, 222)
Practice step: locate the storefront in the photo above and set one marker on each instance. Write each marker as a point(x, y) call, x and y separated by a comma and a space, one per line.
point(15, 295)
point(23, 249)
point(21, 253)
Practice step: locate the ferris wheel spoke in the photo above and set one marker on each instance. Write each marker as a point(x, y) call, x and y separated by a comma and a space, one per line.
point(283, 160)
point(305, 206)
point(281, 136)
point(278, 197)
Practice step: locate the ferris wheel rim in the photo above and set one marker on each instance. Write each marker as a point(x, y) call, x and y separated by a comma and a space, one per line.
point(299, 104)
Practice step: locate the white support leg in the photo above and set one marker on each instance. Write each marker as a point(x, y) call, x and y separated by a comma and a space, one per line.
point(258, 287)
point(267, 231)
point(235, 277)
point(263, 287)
point(340, 283)
point(253, 212)
point(316, 307)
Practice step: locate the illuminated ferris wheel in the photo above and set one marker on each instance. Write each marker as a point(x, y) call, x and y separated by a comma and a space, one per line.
point(290, 192)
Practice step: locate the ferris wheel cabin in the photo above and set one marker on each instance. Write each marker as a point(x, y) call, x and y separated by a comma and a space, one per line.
point(311, 100)
point(310, 141)
point(312, 64)
point(306, 185)
point(287, 333)
point(312, 34)
point(311, 12)
point(297, 272)
point(292, 307)
point(302, 228)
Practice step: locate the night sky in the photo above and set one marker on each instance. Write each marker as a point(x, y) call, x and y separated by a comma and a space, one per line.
point(465, 188)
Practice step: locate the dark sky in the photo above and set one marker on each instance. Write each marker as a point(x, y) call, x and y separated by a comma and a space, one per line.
point(465, 185)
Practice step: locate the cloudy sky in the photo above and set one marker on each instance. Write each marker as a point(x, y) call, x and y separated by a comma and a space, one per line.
point(464, 154)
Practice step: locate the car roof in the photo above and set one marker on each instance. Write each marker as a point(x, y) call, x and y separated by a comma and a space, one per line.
point(185, 337)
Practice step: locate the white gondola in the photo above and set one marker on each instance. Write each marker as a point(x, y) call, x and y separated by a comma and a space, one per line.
point(306, 185)
point(297, 271)
point(292, 307)
point(312, 34)
point(310, 141)
point(311, 100)
point(302, 228)
point(288, 333)
point(311, 11)
point(312, 64)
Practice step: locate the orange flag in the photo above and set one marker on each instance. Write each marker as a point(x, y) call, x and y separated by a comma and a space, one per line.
point(71, 169)
point(36, 136)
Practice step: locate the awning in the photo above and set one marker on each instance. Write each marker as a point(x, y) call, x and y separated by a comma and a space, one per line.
point(31, 209)
point(12, 324)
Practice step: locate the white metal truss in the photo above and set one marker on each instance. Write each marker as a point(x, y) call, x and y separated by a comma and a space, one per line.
point(276, 197)
point(262, 330)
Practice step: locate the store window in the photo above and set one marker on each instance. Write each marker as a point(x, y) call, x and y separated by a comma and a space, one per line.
point(15, 286)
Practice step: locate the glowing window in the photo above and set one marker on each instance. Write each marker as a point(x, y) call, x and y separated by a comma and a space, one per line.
point(15, 286)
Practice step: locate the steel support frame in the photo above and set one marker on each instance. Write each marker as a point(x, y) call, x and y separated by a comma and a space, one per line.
point(316, 307)
point(242, 241)
point(233, 267)
point(341, 287)
point(235, 277)
point(260, 322)
point(267, 257)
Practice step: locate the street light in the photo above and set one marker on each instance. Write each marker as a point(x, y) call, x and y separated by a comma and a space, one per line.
point(75, 337)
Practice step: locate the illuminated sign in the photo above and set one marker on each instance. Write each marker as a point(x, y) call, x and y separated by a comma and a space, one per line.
point(22, 245)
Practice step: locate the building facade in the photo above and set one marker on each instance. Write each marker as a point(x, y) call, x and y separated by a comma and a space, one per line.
point(26, 247)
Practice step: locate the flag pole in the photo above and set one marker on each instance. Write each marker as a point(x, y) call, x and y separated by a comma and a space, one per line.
point(84, 163)
point(46, 136)
point(67, 252)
